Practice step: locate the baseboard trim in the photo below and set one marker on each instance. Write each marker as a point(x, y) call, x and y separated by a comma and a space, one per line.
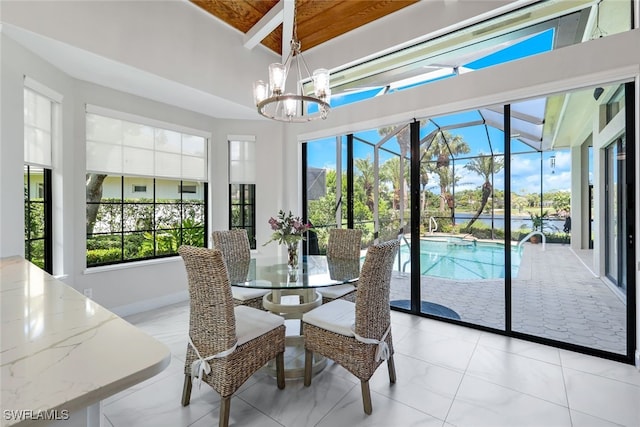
point(150, 304)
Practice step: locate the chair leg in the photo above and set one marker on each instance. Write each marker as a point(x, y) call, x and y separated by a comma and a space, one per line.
point(225, 406)
point(280, 370)
point(392, 370)
point(366, 397)
point(186, 390)
point(308, 362)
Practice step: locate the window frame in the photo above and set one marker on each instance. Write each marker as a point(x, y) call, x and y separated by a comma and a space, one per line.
point(156, 230)
point(155, 233)
point(47, 210)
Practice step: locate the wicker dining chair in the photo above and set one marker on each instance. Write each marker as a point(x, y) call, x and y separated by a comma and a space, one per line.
point(227, 343)
point(343, 244)
point(357, 335)
point(236, 250)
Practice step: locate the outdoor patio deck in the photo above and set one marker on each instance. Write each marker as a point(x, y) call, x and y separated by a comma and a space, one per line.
point(555, 295)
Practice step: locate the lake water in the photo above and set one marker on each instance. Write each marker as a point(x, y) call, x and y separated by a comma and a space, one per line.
point(516, 222)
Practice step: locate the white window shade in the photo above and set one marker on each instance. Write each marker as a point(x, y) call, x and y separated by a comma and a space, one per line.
point(38, 129)
point(125, 147)
point(242, 162)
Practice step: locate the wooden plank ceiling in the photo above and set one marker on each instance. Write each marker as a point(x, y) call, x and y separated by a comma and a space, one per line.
point(317, 20)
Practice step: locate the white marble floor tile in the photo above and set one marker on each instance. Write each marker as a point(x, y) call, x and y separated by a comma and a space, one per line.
point(579, 419)
point(523, 374)
point(158, 404)
point(349, 412)
point(438, 349)
point(448, 376)
point(605, 368)
point(447, 329)
point(523, 348)
point(297, 405)
point(480, 403)
point(612, 400)
point(240, 414)
point(421, 385)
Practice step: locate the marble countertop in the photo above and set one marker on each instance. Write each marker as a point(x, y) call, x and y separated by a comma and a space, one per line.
point(62, 351)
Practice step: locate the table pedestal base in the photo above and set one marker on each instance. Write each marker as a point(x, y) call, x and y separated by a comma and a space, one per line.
point(307, 299)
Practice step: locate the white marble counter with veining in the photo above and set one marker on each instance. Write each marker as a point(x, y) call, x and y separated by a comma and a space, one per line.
point(60, 351)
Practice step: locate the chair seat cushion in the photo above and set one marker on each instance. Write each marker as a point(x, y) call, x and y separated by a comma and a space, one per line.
point(336, 291)
point(336, 316)
point(251, 323)
point(244, 294)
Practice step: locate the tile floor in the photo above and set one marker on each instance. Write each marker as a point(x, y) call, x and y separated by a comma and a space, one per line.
point(447, 376)
point(554, 295)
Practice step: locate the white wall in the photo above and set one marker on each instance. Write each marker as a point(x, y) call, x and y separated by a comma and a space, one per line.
point(139, 285)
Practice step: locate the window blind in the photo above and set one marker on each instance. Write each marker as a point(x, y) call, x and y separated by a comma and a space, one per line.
point(38, 128)
point(124, 144)
point(242, 160)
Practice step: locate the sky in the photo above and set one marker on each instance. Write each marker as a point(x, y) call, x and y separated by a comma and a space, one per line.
point(481, 139)
point(525, 168)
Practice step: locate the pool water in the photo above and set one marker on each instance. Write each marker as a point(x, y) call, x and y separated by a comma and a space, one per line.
point(459, 259)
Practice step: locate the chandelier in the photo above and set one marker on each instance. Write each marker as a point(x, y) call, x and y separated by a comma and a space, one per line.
point(272, 101)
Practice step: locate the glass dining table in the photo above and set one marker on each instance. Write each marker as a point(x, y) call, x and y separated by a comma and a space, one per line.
point(293, 292)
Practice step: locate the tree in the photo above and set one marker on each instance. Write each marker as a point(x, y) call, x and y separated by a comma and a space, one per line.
point(403, 136)
point(365, 180)
point(484, 166)
point(94, 196)
point(442, 148)
point(390, 172)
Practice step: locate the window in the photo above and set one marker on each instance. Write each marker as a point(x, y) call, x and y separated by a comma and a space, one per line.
point(146, 188)
point(188, 189)
point(242, 188)
point(40, 127)
point(37, 217)
point(522, 32)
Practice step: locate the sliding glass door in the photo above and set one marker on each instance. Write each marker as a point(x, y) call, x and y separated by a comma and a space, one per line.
point(522, 215)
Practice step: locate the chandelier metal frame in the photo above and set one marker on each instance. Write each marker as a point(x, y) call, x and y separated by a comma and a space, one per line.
point(272, 103)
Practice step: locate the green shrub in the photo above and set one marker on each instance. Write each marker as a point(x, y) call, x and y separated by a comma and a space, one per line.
point(101, 256)
point(481, 230)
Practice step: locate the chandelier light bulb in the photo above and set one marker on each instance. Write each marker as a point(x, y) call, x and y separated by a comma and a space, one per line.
point(277, 78)
point(290, 107)
point(320, 82)
point(260, 91)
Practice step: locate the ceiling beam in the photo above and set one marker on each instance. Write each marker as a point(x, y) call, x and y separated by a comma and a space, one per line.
point(287, 26)
point(264, 26)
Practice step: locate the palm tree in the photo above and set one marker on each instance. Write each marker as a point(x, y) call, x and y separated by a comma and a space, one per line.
point(390, 172)
point(365, 179)
point(484, 166)
point(442, 148)
point(403, 136)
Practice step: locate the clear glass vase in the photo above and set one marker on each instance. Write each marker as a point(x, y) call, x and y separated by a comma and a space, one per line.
point(292, 251)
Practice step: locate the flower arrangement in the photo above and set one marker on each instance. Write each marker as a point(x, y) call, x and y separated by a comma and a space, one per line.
point(288, 230)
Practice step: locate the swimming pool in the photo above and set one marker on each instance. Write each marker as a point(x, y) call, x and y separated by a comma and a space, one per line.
point(458, 259)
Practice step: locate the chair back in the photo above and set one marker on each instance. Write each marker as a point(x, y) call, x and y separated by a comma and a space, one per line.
point(236, 251)
point(373, 314)
point(212, 323)
point(234, 244)
point(344, 243)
